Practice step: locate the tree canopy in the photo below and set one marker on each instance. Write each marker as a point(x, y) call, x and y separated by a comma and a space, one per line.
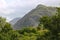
point(48, 29)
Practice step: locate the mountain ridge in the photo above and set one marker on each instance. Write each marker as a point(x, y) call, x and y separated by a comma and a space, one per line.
point(32, 17)
point(13, 21)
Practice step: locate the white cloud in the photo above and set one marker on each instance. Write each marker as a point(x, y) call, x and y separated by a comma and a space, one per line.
point(7, 11)
point(10, 7)
point(49, 2)
point(3, 4)
point(8, 19)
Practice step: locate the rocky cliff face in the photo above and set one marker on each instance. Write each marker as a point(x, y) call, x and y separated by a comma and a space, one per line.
point(32, 18)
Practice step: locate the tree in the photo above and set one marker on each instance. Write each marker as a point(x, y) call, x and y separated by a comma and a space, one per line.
point(2, 22)
point(6, 28)
point(53, 24)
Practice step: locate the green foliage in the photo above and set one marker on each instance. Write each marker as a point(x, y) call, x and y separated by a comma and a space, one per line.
point(2, 22)
point(52, 24)
point(48, 29)
point(6, 28)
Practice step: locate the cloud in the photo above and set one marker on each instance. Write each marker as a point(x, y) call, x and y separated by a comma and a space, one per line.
point(18, 8)
point(24, 3)
point(49, 2)
point(3, 4)
point(7, 11)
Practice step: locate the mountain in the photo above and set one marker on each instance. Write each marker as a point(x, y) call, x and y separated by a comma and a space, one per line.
point(32, 17)
point(12, 22)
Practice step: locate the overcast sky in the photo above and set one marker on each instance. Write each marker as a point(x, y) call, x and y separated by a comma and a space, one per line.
point(18, 8)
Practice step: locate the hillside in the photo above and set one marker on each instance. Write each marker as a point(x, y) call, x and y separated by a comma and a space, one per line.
point(12, 22)
point(32, 17)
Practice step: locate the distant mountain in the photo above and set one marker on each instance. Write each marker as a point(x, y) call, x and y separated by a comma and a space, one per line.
point(12, 22)
point(32, 18)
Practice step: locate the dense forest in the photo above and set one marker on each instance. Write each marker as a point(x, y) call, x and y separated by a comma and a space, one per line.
point(48, 29)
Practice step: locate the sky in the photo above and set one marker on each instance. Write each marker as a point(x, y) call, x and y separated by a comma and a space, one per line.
point(11, 9)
